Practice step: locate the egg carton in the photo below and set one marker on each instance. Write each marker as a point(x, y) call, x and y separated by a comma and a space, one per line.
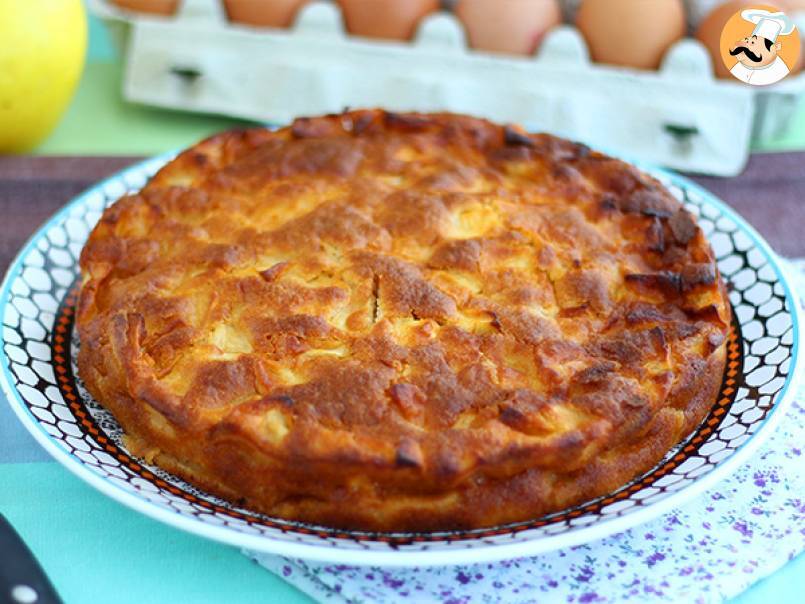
point(679, 116)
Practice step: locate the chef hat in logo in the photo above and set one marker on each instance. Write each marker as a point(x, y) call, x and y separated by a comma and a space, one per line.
point(767, 24)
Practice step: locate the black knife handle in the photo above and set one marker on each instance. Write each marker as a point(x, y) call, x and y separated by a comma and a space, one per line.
point(22, 580)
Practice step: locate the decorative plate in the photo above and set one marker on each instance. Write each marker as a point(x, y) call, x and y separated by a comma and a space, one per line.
point(38, 376)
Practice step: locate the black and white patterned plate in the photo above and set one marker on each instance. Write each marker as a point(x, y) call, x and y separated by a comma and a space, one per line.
point(37, 374)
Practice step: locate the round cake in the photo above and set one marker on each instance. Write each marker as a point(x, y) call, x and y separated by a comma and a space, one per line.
point(401, 322)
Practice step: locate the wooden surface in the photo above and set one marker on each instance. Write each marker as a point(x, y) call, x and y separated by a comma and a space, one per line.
point(770, 194)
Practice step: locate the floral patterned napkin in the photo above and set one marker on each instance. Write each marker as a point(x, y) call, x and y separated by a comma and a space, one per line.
point(711, 549)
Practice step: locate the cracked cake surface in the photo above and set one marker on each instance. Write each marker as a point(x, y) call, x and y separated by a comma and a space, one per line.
point(401, 322)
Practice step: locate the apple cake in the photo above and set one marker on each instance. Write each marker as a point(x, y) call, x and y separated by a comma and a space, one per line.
point(401, 322)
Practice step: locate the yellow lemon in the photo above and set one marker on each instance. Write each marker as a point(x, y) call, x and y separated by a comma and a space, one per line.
point(42, 48)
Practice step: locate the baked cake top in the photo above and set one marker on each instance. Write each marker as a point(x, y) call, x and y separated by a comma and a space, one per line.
point(429, 298)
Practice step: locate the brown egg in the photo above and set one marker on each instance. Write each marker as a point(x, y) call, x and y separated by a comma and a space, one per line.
point(265, 13)
point(631, 33)
point(709, 30)
point(510, 26)
point(393, 19)
point(158, 7)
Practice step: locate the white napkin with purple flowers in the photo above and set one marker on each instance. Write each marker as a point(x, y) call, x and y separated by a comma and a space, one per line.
point(710, 549)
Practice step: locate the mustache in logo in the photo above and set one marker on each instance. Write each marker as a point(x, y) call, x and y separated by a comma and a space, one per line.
point(743, 49)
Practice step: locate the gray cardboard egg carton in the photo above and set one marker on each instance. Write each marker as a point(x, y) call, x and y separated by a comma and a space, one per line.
point(678, 116)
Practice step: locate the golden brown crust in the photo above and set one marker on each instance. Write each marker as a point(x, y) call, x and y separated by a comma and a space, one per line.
point(401, 321)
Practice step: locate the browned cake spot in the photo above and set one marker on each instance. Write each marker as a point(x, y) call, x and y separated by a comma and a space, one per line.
point(401, 321)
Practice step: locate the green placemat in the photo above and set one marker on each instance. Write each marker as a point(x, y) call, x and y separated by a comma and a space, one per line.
point(100, 122)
